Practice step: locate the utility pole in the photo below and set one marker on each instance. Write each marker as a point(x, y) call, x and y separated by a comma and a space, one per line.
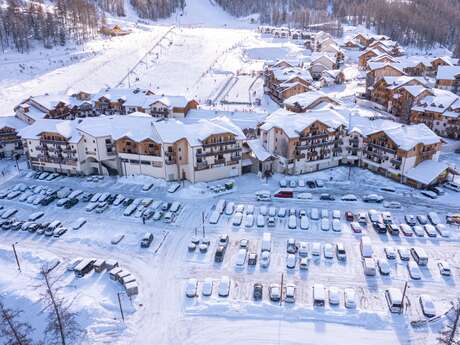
point(406, 285)
point(121, 308)
point(16, 256)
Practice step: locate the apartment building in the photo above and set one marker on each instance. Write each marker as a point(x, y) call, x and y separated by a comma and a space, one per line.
point(283, 80)
point(440, 111)
point(308, 101)
point(136, 144)
point(320, 139)
point(10, 141)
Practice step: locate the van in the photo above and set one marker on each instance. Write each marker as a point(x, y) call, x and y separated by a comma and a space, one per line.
point(292, 223)
point(366, 247)
point(99, 265)
point(419, 255)
point(114, 273)
point(394, 300)
point(369, 266)
point(319, 295)
point(266, 242)
point(214, 218)
point(84, 267)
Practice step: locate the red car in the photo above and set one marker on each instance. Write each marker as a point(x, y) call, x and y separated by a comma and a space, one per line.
point(349, 216)
point(284, 194)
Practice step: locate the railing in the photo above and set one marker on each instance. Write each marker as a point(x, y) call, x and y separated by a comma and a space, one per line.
point(374, 154)
point(229, 142)
point(316, 136)
point(382, 148)
point(201, 166)
point(216, 152)
point(319, 144)
point(219, 161)
point(49, 141)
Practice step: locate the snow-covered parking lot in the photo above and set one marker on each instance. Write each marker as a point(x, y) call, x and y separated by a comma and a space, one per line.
point(162, 270)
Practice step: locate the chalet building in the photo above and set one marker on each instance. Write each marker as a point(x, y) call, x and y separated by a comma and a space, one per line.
point(335, 51)
point(353, 44)
point(396, 151)
point(308, 101)
point(281, 83)
point(321, 63)
point(405, 97)
point(320, 139)
point(448, 78)
point(383, 58)
point(379, 70)
point(44, 107)
point(441, 61)
point(136, 144)
point(387, 46)
point(55, 146)
point(386, 91)
point(366, 40)
point(10, 141)
point(440, 111)
point(366, 55)
point(332, 77)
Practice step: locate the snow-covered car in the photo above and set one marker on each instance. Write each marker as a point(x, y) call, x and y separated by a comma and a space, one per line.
point(274, 291)
point(282, 212)
point(191, 287)
point(452, 186)
point(392, 204)
point(324, 213)
point(79, 223)
point(146, 187)
point(303, 249)
point(373, 198)
point(443, 230)
point(35, 216)
point(444, 268)
point(305, 196)
point(304, 263)
point(173, 187)
point(328, 250)
point(418, 231)
point(350, 298)
point(404, 254)
point(340, 251)
point(290, 293)
point(206, 289)
point(229, 208)
point(291, 261)
point(384, 267)
point(237, 219)
point(334, 295)
point(91, 206)
point(390, 253)
point(304, 223)
point(406, 230)
point(224, 286)
point(336, 225)
point(314, 214)
point(356, 227)
point(422, 219)
point(241, 257)
point(430, 230)
point(336, 214)
point(414, 270)
point(249, 221)
point(325, 224)
point(410, 219)
point(349, 197)
point(265, 259)
point(291, 247)
point(250, 209)
point(427, 305)
point(434, 218)
point(316, 249)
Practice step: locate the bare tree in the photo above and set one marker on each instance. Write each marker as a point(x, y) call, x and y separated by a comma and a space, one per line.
point(12, 330)
point(62, 328)
point(450, 335)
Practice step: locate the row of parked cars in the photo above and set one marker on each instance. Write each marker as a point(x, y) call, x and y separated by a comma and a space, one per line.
point(54, 228)
point(147, 208)
point(42, 176)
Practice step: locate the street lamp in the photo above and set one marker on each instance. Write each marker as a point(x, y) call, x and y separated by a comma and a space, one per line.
point(16, 255)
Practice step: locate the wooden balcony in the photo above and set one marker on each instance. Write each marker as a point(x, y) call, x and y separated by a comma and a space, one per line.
point(201, 166)
point(220, 151)
point(381, 148)
point(220, 143)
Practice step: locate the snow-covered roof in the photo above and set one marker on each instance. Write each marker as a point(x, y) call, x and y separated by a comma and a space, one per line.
point(259, 151)
point(367, 126)
point(12, 122)
point(447, 59)
point(66, 128)
point(415, 90)
point(139, 127)
point(427, 171)
point(448, 72)
point(294, 123)
point(306, 99)
point(406, 137)
point(397, 82)
point(442, 101)
point(288, 73)
point(378, 65)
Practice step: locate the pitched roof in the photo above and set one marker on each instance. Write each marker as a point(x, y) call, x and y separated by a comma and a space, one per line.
point(407, 137)
point(427, 171)
point(306, 99)
point(66, 128)
point(448, 72)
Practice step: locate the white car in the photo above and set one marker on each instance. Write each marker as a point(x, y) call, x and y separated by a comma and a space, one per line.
point(334, 295)
point(427, 305)
point(250, 209)
point(290, 293)
point(229, 208)
point(237, 219)
point(239, 208)
point(443, 231)
point(265, 259)
point(325, 224)
point(384, 267)
point(336, 214)
point(274, 291)
point(272, 211)
point(173, 187)
point(304, 263)
point(191, 287)
point(324, 213)
point(336, 225)
point(304, 223)
point(350, 298)
point(305, 196)
point(328, 250)
point(79, 223)
point(282, 212)
point(263, 210)
point(418, 231)
point(290, 261)
point(314, 214)
point(404, 254)
point(35, 216)
point(303, 249)
point(224, 286)
point(292, 222)
point(430, 230)
point(434, 218)
point(452, 186)
point(356, 227)
point(249, 221)
point(414, 270)
point(444, 268)
point(349, 197)
point(146, 187)
point(390, 253)
point(422, 219)
point(316, 249)
point(241, 257)
point(207, 287)
point(260, 221)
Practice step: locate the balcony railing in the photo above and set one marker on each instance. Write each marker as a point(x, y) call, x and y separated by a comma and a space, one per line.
point(216, 152)
point(219, 161)
point(381, 148)
point(316, 136)
point(201, 166)
point(374, 154)
point(50, 141)
point(228, 142)
point(318, 144)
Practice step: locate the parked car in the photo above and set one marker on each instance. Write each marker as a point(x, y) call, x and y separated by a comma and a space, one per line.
point(257, 293)
point(427, 305)
point(265, 259)
point(252, 259)
point(291, 247)
point(290, 293)
point(455, 186)
point(146, 187)
point(349, 216)
point(356, 227)
point(146, 240)
point(444, 268)
point(349, 197)
point(334, 296)
point(328, 251)
point(304, 263)
point(384, 267)
point(349, 298)
point(390, 253)
point(291, 261)
point(206, 289)
point(375, 198)
point(274, 291)
point(404, 254)
point(410, 219)
point(191, 288)
point(224, 286)
point(414, 270)
point(325, 196)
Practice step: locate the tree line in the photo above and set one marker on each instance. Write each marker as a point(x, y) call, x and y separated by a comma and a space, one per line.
point(22, 23)
point(421, 23)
